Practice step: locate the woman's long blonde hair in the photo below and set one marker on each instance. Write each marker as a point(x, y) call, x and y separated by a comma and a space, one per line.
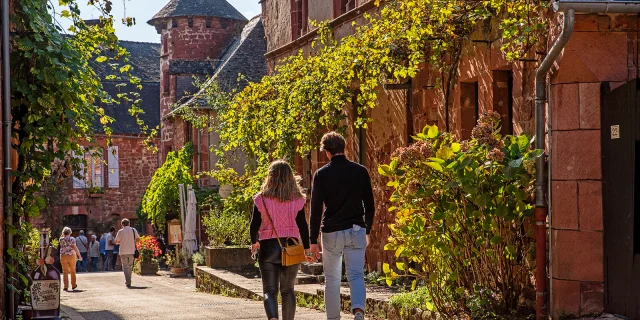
point(280, 183)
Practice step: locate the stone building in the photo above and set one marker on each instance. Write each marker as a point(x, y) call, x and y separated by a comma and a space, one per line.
point(115, 181)
point(207, 40)
point(591, 142)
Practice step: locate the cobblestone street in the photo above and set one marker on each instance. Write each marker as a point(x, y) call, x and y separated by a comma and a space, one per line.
point(103, 296)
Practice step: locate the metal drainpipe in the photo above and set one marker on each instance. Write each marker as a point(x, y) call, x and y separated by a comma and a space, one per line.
point(540, 185)
point(6, 140)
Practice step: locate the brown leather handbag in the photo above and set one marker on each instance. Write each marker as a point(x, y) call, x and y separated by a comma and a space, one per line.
point(291, 254)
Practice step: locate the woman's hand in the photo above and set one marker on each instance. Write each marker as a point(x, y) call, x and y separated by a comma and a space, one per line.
point(255, 247)
point(309, 256)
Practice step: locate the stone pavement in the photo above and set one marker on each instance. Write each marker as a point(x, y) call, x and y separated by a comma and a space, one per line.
point(103, 296)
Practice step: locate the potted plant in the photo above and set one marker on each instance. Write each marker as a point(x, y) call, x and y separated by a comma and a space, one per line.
point(95, 192)
point(147, 263)
point(177, 262)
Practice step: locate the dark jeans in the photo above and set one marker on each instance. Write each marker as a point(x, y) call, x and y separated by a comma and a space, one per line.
point(276, 277)
point(109, 262)
point(94, 264)
point(81, 266)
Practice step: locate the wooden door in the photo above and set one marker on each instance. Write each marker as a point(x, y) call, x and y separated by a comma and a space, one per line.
point(621, 198)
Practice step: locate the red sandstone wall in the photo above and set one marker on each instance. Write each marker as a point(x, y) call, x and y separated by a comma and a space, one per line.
point(603, 48)
point(137, 166)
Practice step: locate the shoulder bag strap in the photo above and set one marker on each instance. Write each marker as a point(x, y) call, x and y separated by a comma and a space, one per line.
point(269, 216)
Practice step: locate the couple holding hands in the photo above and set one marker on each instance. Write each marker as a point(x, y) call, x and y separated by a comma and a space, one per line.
point(342, 207)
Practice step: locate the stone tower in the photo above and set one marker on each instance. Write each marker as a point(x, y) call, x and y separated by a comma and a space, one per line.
point(195, 34)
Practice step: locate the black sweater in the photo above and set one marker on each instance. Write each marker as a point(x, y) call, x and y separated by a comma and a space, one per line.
point(301, 221)
point(344, 187)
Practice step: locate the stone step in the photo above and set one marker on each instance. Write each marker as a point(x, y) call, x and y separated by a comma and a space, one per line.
point(314, 269)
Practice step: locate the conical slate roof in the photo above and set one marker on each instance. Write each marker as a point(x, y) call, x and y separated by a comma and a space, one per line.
point(198, 8)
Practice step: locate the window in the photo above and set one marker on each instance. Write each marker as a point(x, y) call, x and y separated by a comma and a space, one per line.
point(113, 167)
point(166, 81)
point(503, 99)
point(469, 107)
point(165, 45)
point(188, 132)
point(299, 18)
point(90, 173)
point(341, 7)
point(360, 135)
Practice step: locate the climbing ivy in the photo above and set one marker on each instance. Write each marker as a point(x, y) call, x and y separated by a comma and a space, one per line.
point(286, 112)
point(55, 94)
point(161, 200)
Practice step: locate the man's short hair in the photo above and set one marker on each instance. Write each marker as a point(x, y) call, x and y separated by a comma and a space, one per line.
point(125, 222)
point(333, 143)
point(112, 229)
point(81, 232)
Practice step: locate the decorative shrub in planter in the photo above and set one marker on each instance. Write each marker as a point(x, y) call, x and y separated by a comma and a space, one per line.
point(149, 249)
point(146, 268)
point(177, 262)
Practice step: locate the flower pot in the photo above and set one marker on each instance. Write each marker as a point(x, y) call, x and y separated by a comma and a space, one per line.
point(179, 271)
point(147, 268)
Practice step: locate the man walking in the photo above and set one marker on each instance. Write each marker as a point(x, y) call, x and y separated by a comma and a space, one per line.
point(94, 252)
point(83, 247)
point(127, 238)
point(344, 188)
point(110, 243)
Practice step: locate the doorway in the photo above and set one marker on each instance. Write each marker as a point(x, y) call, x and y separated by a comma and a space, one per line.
point(621, 198)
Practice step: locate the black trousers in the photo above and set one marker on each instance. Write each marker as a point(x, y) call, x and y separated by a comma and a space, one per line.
point(276, 277)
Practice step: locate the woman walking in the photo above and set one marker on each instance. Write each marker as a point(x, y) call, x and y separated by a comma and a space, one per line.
point(69, 255)
point(278, 218)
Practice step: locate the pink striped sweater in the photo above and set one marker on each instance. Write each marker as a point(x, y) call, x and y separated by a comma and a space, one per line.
point(283, 215)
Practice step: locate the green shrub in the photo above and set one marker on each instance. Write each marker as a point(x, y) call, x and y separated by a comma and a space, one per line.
point(161, 200)
point(462, 214)
point(227, 227)
point(419, 298)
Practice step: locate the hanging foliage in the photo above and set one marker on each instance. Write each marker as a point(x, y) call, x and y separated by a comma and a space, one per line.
point(161, 200)
point(55, 94)
point(286, 112)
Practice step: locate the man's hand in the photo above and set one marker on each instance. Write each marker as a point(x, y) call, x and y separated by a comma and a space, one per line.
point(368, 240)
point(315, 251)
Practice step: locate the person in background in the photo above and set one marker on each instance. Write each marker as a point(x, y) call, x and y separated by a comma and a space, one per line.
point(69, 255)
point(109, 247)
point(83, 245)
point(94, 252)
point(127, 239)
point(278, 217)
point(103, 252)
point(343, 189)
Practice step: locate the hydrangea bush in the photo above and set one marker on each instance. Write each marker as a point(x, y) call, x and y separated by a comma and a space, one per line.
point(463, 210)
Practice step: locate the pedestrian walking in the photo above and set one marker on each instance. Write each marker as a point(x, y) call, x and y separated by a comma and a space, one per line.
point(278, 219)
point(94, 252)
point(83, 246)
point(108, 247)
point(344, 189)
point(103, 251)
point(127, 238)
point(69, 255)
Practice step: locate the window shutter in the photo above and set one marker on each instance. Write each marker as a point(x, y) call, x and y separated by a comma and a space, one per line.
point(79, 183)
point(98, 170)
point(114, 168)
